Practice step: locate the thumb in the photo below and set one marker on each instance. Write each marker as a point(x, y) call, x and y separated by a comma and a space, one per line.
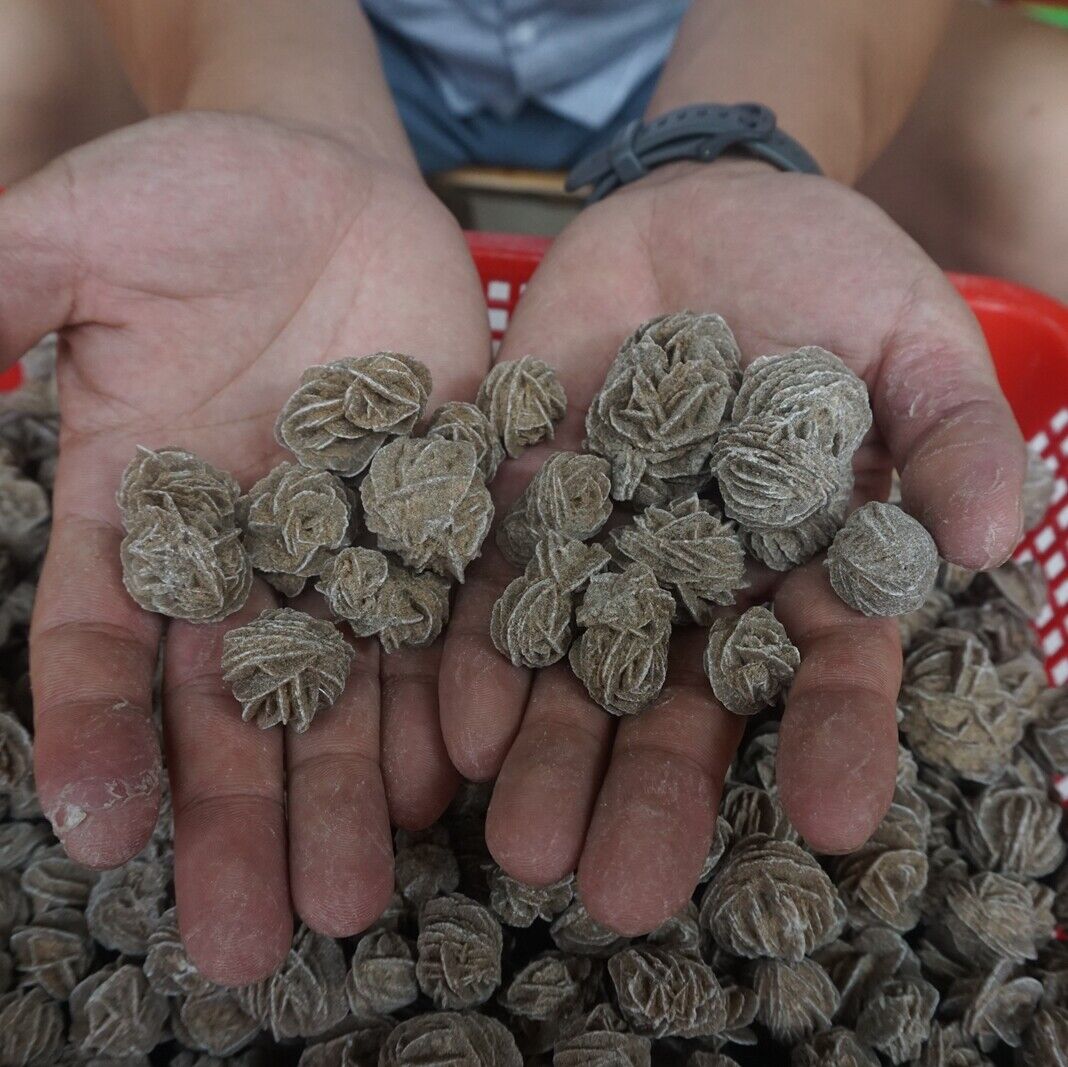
point(38, 259)
point(950, 430)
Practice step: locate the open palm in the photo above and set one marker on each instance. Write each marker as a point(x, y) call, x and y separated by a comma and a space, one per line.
point(788, 261)
point(196, 265)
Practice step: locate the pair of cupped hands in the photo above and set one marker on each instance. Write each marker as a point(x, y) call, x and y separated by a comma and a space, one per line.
point(196, 265)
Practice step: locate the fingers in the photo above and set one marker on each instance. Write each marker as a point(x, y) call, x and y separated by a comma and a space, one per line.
point(653, 822)
point(38, 260)
point(544, 797)
point(950, 430)
point(340, 845)
point(92, 659)
point(230, 876)
point(419, 778)
point(837, 760)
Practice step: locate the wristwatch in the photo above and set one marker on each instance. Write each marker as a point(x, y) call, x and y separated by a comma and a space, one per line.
point(701, 132)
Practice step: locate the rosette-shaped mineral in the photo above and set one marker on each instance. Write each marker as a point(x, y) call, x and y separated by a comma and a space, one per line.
point(550, 988)
point(182, 571)
point(836, 1047)
point(425, 866)
point(173, 479)
point(955, 712)
point(306, 995)
point(667, 994)
point(995, 1007)
point(16, 752)
point(789, 547)
point(351, 581)
point(293, 518)
point(31, 1028)
point(882, 562)
point(576, 931)
point(601, 1039)
point(795, 999)
point(1037, 490)
point(518, 904)
point(457, 421)
point(24, 515)
point(459, 952)
point(381, 977)
point(213, 1022)
point(1046, 1042)
point(771, 479)
point(621, 656)
point(896, 1021)
point(1047, 738)
point(167, 965)
point(412, 608)
point(750, 660)
point(448, 1039)
point(991, 917)
point(285, 666)
point(125, 905)
point(115, 1012)
point(662, 403)
point(54, 951)
point(344, 411)
point(771, 898)
point(812, 389)
point(569, 495)
point(425, 500)
point(694, 553)
point(1021, 583)
point(523, 400)
point(531, 620)
point(752, 810)
point(949, 1046)
point(884, 880)
point(1012, 830)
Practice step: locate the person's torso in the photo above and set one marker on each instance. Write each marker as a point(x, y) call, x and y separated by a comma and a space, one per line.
point(578, 58)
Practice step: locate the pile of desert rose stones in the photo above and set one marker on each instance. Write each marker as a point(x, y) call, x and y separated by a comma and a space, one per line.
point(714, 464)
point(934, 945)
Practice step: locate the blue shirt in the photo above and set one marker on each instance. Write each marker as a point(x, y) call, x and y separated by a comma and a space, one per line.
point(577, 58)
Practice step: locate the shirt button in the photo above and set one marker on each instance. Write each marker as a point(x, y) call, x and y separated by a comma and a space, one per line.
point(523, 33)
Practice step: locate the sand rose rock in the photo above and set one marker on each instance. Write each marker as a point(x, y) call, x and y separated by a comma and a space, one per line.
point(179, 570)
point(459, 952)
point(695, 554)
point(621, 656)
point(750, 660)
point(343, 412)
point(955, 712)
point(351, 581)
point(771, 479)
point(569, 495)
point(285, 666)
point(882, 562)
point(1012, 830)
point(523, 400)
point(812, 389)
point(457, 421)
point(662, 403)
point(666, 994)
point(445, 1039)
point(425, 500)
point(412, 609)
point(173, 479)
point(796, 999)
point(531, 621)
point(784, 549)
point(771, 898)
point(294, 518)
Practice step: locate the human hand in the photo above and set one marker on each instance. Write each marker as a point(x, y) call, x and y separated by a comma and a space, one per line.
point(788, 261)
point(196, 265)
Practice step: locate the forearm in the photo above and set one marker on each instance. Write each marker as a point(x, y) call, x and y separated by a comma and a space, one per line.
point(840, 74)
point(313, 64)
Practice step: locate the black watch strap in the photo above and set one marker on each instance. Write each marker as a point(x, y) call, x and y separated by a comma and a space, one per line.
point(700, 132)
